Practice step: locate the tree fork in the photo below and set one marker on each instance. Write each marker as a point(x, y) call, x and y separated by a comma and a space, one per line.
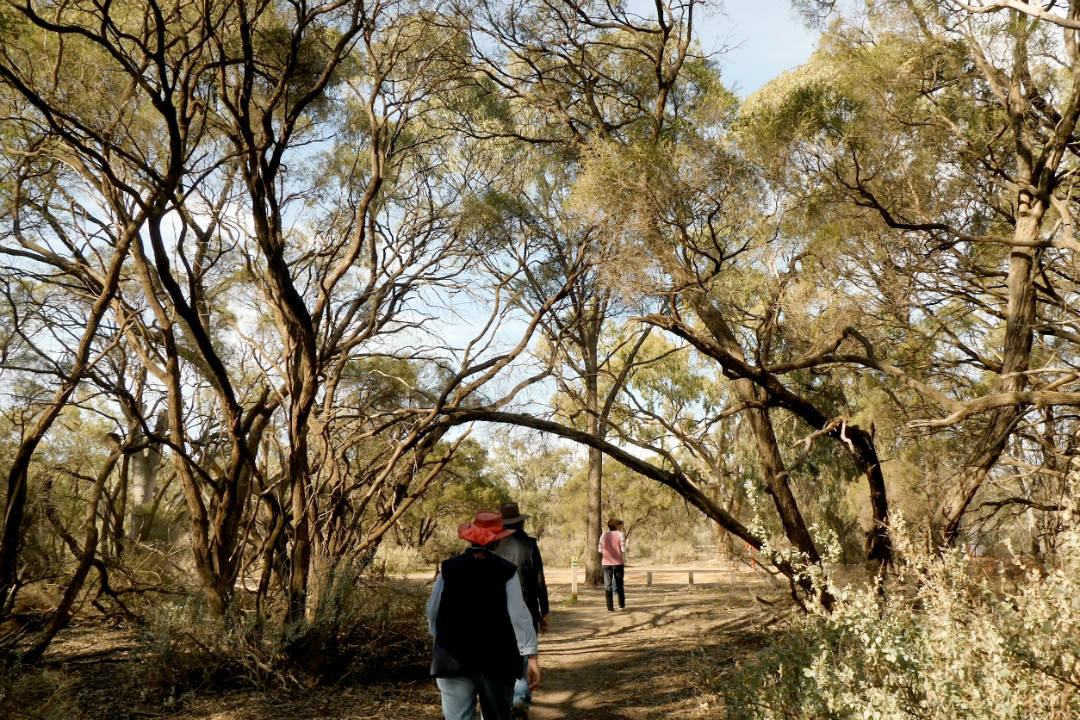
point(857, 440)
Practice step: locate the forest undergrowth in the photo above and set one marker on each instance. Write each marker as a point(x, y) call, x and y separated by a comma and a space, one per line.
point(945, 636)
point(369, 632)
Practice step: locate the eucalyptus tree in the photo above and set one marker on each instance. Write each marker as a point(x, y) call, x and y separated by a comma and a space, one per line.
point(536, 59)
point(601, 80)
point(610, 93)
point(264, 191)
point(56, 157)
point(340, 274)
point(947, 128)
point(701, 242)
point(530, 209)
point(674, 201)
point(1036, 86)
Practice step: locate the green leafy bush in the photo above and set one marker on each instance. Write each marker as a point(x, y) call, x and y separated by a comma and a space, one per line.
point(947, 640)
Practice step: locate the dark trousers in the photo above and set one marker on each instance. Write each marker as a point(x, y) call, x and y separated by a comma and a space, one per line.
point(613, 584)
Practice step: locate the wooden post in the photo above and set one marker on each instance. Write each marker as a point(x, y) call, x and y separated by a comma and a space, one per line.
point(648, 577)
point(573, 580)
point(691, 577)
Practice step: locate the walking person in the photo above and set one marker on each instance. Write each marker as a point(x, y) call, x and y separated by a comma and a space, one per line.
point(612, 550)
point(524, 552)
point(481, 627)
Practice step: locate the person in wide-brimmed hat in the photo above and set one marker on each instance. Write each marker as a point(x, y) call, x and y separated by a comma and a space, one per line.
point(523, 551)
point(481, 626)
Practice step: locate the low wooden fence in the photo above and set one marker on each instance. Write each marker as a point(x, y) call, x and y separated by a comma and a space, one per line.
point(575, 575)
point(655, 575)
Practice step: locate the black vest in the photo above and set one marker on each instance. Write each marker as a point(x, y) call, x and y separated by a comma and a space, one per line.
point(521, 550)
point(473, 632)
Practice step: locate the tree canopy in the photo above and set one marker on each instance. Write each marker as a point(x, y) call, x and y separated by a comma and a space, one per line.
point(274, 274)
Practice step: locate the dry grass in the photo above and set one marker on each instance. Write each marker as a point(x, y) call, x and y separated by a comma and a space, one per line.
point(366, 642)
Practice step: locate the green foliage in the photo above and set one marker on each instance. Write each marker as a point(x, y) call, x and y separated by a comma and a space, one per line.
point(949, 639)
point(12, 22)
point(465, 486)
point(807, 100)
point(659, 525)
point(535, 472)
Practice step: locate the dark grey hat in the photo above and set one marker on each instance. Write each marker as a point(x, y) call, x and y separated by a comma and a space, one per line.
point(511, 513)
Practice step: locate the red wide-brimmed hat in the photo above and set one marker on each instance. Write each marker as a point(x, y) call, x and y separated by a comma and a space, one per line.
point(486, 528)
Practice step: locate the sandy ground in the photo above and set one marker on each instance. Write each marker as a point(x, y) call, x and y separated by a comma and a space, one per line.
point(639, 663)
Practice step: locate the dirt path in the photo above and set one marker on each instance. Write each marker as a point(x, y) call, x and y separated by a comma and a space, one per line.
point(637, 664)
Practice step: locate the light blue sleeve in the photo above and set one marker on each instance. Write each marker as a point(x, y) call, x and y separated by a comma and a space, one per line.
point(433, 604)
point(520, 618)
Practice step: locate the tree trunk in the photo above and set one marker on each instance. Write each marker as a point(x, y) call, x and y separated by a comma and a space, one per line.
point(594, 520)
point(878, 542)
point(144, 466)
point(772, 462)
point(594, 426)
point(62, 614)
point(300, 553)
point(15, 505)
point(304, 384)
point(1019, 319)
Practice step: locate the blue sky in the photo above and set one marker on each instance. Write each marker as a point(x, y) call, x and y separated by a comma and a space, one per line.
point(763, 38)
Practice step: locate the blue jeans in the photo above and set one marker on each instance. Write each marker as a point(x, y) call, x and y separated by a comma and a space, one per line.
point(613, 582)
point(459, 696)
point(522, 693)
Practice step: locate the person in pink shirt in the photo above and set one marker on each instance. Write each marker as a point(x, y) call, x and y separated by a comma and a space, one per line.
point(612, 550)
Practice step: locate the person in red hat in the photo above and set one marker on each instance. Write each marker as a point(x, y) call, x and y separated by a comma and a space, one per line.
point(481, 626)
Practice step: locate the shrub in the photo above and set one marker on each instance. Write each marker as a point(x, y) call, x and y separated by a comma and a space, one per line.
point(48, 692)
point(363, 629)
point(946, 641)
point(400, 560)
point(374, 628)
point(180, 648)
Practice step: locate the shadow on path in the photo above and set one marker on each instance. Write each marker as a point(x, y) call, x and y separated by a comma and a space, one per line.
point(637, 664)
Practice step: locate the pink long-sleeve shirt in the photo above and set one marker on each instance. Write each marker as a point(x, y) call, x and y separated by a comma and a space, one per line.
point(612, 548)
